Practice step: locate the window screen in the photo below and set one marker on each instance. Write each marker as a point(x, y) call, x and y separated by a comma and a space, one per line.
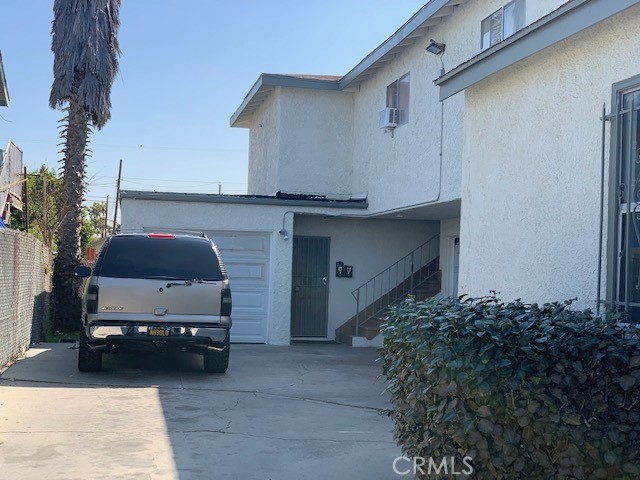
point(392, 95)
point(513, 18)
point(403, 98)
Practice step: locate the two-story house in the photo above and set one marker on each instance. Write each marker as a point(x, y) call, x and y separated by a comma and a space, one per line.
point(367, 187)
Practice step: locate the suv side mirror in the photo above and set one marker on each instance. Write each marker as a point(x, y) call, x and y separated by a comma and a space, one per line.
point(82, 272)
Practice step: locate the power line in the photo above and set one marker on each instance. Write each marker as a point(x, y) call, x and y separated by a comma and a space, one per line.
point(145, 147)
point(171, 181)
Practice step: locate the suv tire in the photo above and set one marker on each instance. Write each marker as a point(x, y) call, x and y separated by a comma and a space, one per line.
point(217, 362)
point(89, 360)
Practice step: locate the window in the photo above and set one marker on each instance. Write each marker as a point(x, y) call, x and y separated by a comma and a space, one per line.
point(503, 23)
point(626, 229)
point(398, 97)
point(144, 257)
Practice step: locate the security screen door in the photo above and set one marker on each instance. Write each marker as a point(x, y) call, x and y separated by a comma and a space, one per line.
point(310, 287)
point(627, 229)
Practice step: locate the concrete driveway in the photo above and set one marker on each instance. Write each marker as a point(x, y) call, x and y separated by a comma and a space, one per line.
point(300, 412)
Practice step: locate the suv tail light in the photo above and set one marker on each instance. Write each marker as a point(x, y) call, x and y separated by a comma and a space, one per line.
point(92, 299)
point(225, 302)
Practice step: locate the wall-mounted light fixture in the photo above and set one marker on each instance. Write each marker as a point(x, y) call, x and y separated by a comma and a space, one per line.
point(283, 230)
point(435, 47)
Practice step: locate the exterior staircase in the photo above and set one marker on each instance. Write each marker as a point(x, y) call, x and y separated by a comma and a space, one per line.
point(417, 273)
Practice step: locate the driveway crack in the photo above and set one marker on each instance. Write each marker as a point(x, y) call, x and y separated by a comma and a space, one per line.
point(195, 389)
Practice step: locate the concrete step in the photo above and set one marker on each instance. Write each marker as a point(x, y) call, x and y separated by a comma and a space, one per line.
point(369, 329)
point(344, 338)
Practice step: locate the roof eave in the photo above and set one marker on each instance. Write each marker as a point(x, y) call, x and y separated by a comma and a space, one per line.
point(242, 199)
point(433, 12)
point(268, 80)
point(571, 18)
point(424, 14)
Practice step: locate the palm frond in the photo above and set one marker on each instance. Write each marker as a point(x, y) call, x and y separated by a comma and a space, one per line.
point(86, 51)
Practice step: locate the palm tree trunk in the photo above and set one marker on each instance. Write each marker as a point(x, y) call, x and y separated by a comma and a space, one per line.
point(67, 306)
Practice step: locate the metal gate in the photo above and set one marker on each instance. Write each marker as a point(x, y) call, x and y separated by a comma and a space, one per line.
point(625, 212)
point(310, 289)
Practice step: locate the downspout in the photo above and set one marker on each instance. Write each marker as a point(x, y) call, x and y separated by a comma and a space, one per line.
point(441, 150)
point(442, 72)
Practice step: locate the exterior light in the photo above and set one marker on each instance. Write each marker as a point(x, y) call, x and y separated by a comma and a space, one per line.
point(435, 47)
point(284, 234)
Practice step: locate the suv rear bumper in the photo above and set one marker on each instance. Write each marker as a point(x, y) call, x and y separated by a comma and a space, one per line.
point(151, 319)
point(198, 338)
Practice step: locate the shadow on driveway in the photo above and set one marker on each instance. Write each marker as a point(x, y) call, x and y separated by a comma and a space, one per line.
point(300, 412)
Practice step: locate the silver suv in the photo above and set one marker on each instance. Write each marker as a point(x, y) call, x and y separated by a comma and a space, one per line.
point(154, 292)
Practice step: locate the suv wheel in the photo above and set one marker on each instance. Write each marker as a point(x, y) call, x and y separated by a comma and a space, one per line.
point(217, 362)
point(89, 360)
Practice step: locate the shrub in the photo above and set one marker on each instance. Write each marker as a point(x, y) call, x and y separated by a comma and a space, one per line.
point(525, 391)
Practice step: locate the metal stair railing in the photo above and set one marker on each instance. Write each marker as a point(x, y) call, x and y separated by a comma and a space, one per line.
point(396, 281)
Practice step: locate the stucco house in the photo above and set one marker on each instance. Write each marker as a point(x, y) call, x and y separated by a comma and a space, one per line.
point(461, 156)
point(551, 159)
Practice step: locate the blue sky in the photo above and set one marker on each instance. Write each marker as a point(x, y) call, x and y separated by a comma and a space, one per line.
point(185, 67)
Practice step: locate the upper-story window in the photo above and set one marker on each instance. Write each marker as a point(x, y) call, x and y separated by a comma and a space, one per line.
point(503, 23)
point(398, 97)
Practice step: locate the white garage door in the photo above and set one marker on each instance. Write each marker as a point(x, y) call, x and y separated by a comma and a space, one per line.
point(246, 257)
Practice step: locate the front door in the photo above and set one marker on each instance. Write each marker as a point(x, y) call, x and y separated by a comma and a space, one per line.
point(310, 287)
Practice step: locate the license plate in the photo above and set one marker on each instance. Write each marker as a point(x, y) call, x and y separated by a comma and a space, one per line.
point(159, 331)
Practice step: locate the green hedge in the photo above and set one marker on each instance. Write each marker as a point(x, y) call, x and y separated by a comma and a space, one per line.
point(525, 391)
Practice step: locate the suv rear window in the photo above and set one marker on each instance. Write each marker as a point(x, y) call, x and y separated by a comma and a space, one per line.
point(165, 258)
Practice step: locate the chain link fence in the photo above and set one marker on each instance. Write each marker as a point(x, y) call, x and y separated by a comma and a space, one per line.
point(25, 285)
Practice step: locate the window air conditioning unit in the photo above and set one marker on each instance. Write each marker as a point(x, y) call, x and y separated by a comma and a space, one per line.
point(389, 118)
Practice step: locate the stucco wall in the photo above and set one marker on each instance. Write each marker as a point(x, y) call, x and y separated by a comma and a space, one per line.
point(403, 168)
point(316, 141)
point(530, 202)
point(537, 9)
point(264, 147)
point(369, 245)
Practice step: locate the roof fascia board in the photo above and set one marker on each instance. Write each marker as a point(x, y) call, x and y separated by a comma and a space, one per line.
point(245, 102)
point(267, 79)
point(424, 14)
point(210, 198)
point(297, 82)
point(573, 17)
